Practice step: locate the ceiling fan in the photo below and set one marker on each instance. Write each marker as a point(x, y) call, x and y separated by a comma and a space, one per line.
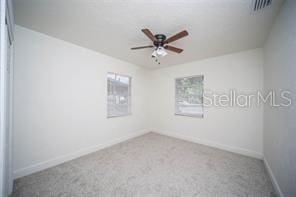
point(160, 43)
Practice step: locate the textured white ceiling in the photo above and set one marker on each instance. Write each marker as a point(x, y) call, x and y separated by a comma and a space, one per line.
point(112, 27)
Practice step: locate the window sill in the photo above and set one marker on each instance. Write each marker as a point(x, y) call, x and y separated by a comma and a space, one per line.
point(191, 115)
point(119, 115)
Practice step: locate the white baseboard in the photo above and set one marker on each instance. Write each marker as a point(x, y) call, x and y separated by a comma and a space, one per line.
point(273, 179)
point(241, 151)
point(64, 158)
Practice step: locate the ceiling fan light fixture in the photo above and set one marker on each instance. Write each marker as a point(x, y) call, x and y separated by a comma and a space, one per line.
point(160, 51)
point(154, 54)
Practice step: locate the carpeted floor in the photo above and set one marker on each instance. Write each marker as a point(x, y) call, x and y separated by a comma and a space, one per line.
point(151, 165)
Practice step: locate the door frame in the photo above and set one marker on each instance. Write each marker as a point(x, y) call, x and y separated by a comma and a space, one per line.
point(6, 77)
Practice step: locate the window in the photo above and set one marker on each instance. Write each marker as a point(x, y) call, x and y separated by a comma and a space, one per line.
point(119, 95)
point(189, 96)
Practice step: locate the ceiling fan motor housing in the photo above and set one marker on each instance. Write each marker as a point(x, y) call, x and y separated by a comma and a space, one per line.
point(159, 42)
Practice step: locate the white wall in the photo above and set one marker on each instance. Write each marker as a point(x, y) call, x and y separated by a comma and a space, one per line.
point(232, 128)
point(279, 123)
point(60, 101)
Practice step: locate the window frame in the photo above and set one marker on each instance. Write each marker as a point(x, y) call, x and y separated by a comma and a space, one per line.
point(129, 95)
point(201, 115)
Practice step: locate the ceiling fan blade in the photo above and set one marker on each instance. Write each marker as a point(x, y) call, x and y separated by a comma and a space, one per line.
point(143, 47)
point(149, 34)
point(174, 49)
point(177, 36)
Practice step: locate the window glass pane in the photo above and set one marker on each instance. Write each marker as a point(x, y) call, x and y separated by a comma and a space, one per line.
point(111, 76)
point(122, 79)
point(189, 96)
point(118, 97)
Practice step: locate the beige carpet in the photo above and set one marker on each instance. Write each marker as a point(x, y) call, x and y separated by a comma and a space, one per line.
point(151, 165)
